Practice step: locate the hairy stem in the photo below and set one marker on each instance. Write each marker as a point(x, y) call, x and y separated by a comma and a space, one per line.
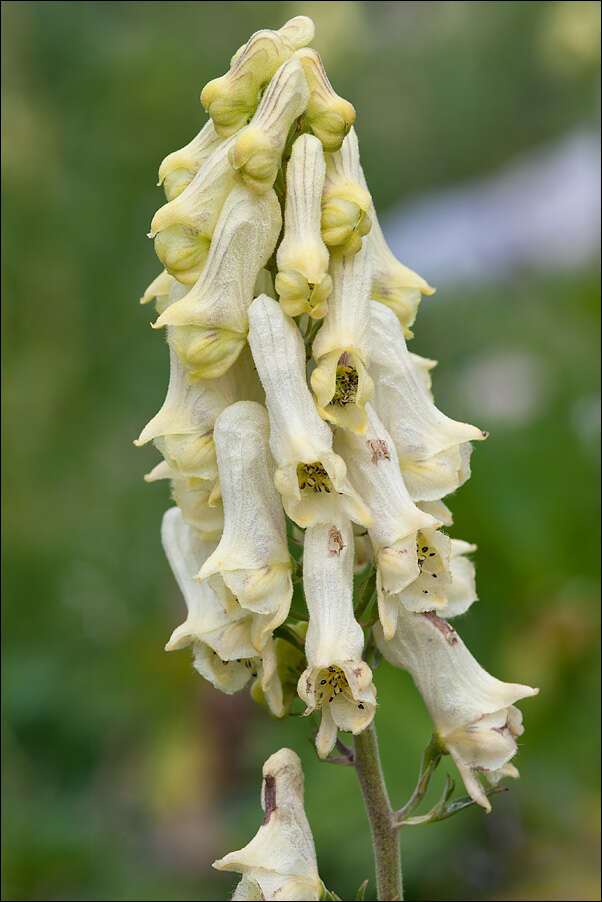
point(385, 831)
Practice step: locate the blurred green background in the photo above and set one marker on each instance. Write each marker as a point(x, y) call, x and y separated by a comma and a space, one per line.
point(124, 774)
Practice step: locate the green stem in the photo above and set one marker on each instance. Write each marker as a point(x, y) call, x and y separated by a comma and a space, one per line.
point(385, 832)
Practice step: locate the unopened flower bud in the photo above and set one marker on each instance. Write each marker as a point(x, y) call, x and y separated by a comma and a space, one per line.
point(329, 116)
point(303, 282)
point(258, 148)
point(183, 227)
point(209, 324)
point(179, 167)
point(232, 99)
point(346, 201)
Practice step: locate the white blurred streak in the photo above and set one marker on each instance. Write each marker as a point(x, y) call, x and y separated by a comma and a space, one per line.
point(541, 210)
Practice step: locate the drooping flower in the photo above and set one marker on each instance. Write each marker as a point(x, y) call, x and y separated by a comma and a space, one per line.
point(329, 116)
point(473, 713)
point(346, 200)
point(303, 282)
point(398, 528)
point(210, 322)
point(221, 642)
point(280, 861)
point(257, 149)
point(337, 681)
point(433, 450)
point(180, 167)
point(251, 566)
point(311, 478)
point(232, 99)
point(340, 381)
point(393, 284)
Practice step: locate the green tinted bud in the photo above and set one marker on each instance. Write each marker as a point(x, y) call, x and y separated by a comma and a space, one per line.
point(329, 116)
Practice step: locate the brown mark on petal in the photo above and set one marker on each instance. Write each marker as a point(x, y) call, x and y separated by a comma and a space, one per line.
point(335, 542)
point(269, 796)
point(379, 450)
point(443, 626)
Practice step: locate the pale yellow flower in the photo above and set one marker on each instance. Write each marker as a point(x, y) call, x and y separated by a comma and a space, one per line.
point(337, 681)
point(473, 713)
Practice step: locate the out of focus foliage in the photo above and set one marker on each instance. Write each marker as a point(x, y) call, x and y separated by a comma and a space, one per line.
point(124, 774)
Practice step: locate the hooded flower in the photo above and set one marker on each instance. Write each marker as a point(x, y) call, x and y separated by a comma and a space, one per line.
point(303, 282)
point(257, 150)
point(311, 478)
point(336, 681)
point(183, 227)
point(232, 99)
point(180, 167)
point(210, 322)
point(393, 284)
point(399, 529)
point(340, 381)
point(434, 451)
point(473, 713)
point(251, 566)
point(280, 861)
point(346, 200)
point(221, 642)
point(328, 115)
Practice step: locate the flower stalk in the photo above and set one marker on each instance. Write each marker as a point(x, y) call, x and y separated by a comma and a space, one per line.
point(384, 826)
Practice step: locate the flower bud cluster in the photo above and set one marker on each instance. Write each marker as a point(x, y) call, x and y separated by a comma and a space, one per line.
point(295, 414)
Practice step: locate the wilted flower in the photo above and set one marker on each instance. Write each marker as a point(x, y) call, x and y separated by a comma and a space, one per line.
point(280, 861)
point(311, 478)
point(251, 566)
point(303, 282)
point(221, 641)
point(474, 714)
point(337, 681)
